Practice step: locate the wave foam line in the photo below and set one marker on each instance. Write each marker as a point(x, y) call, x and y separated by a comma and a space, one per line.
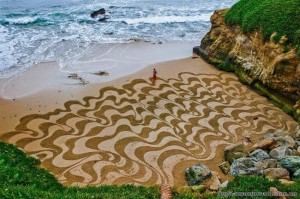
point(166, 19)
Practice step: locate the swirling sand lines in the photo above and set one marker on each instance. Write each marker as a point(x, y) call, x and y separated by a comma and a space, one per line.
point(145, 133)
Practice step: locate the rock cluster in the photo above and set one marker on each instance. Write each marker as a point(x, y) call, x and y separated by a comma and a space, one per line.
point(275, 156)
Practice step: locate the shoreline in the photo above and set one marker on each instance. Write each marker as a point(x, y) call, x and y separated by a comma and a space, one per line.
point(118, 61)
point(135, 131)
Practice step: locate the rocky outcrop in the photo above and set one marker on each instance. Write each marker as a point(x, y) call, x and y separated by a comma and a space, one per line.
point(96, 13)
point(271, 67)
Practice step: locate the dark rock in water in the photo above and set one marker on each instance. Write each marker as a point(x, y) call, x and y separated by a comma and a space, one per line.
point(296, 175)
point(259, 154)
point(103, 19)
point(280, 152)
point(101, 73)
point(291, 163)
point(195, 175)
point(244, 166)
point(109, 33)
point(98, 12)
point(233, 152)
point(277, 173)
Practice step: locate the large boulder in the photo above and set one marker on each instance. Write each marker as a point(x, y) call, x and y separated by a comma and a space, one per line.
point(233, 152)
point(291, 163)
point(264, 164)
point(259, 154)
point(277, 173)
point(280, 152)
point(244, 166)
point(285, 140)
point(263, 144)
point(197, 174)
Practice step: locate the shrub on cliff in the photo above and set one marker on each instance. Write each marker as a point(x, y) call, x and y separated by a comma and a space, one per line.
point(267, 16)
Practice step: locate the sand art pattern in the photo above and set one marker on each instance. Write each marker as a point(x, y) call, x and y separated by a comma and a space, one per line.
point(145, 133)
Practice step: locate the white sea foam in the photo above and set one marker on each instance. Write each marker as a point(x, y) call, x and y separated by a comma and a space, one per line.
point(22, 20)
point(36, 31)
point(166, 19)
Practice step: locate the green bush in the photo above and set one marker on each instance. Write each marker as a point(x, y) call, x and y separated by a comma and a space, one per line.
point(20, 177)
point(17, 169)
point(268, 16)
point(105, 192)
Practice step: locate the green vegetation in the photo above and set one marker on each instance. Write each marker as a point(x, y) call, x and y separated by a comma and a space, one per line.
point(267, 16)
point(20, 177)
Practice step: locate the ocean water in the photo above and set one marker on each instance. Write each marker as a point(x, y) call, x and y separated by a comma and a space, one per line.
point(35, 31)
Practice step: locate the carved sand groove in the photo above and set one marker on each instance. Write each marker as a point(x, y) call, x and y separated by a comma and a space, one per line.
point(145, 133)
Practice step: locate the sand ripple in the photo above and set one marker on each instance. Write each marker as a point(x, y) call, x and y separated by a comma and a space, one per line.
point(145, 133)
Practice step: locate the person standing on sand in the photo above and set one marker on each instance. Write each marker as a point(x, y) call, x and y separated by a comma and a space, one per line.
point(154, 74)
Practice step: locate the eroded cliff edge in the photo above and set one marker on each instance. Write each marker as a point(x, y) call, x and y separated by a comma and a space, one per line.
point(272, 68)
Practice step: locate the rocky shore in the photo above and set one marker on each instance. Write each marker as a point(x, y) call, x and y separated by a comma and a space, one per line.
point(275, 157)
point(270, 67)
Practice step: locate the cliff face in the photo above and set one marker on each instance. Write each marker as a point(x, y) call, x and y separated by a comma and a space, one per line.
point(273, 68)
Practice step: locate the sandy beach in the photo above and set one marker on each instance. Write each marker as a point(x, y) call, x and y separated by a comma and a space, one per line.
point(132, 130)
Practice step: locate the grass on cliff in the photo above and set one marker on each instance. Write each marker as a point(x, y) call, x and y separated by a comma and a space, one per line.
point(267, 16)
point(20, 177)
